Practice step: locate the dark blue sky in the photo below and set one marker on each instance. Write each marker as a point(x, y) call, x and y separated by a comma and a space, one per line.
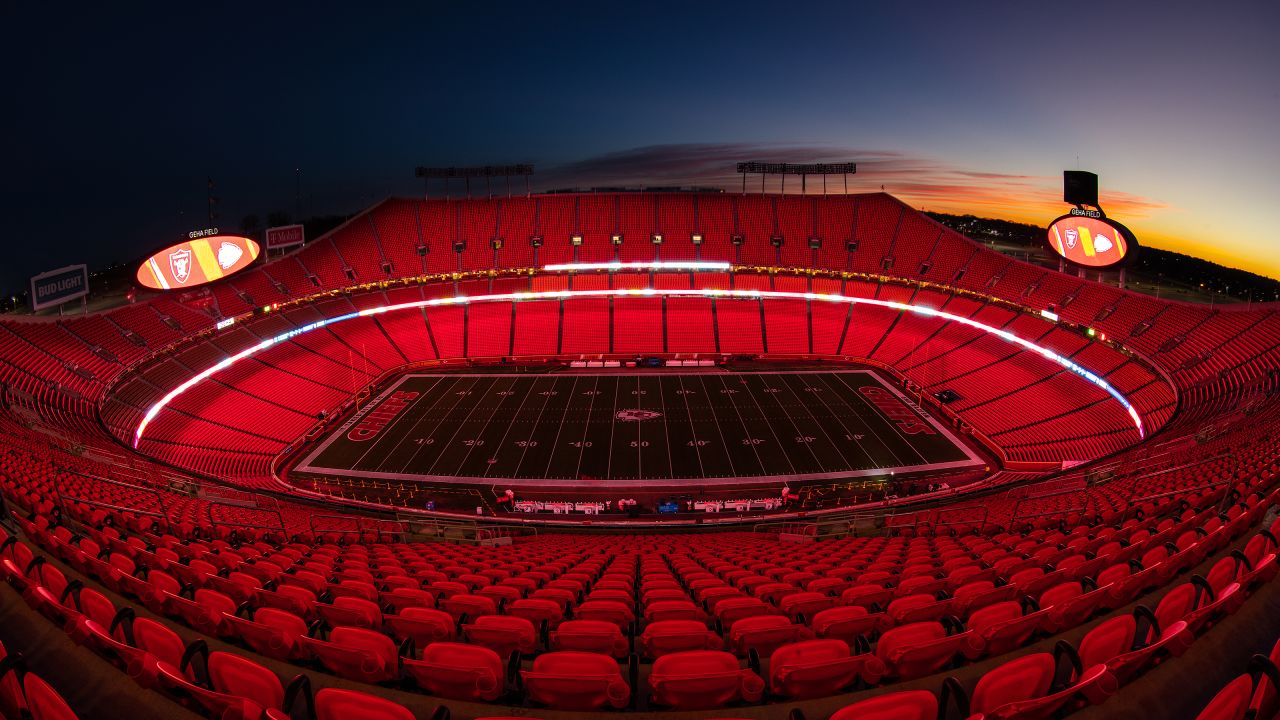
point(118, 114)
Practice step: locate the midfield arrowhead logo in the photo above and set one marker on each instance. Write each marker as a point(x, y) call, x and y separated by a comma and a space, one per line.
point(635, 415)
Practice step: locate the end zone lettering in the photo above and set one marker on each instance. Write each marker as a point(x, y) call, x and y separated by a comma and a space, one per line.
point(373, 423)
point(893, 408)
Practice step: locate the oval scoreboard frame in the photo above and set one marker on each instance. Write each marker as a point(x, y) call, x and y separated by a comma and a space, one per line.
point(1091, 242)
point(198, 261)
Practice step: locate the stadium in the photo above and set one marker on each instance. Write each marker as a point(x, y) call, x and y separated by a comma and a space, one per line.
point(687, 455)
point(640, 361)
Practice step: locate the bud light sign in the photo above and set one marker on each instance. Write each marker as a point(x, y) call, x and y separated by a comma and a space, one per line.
point(59, 286)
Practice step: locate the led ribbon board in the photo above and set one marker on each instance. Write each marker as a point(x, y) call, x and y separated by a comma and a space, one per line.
point(1067, 363)
point(697, 266)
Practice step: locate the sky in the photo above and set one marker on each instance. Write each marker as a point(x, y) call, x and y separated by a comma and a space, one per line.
point(118, 114)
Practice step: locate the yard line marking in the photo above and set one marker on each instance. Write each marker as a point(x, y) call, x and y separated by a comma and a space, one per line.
point(560, 425)
point(511, 424)
point(745, 428)
point(536, 423)
point(443, 450)
point(875, 412)
point(805, 405)
point(772, 430)
point(870, 461)
point(428, 413)
point(586, 427)
point(693, 430)
point(666, 430)
point(483, 428)
point(457, 398)
point(613, 424)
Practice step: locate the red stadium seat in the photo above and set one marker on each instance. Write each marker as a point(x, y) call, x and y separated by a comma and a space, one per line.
point(1034, 687)
point(610, 611)
point(576, 681)
point(537, 611)
point(337, 704)
point(274, 633)
point(765, 633)
point(12, 700)
point(357, 654)
point(43, 702)
point(918, 649)
point(350, 611)
point(597, 636)
point(1127, 644)
point(817, 668)
point(423, 625)
point(1003, 626)
point(702, 679)
point(502, 633)
point(847, 623)
point(469, 606)
point(458, 671)
point(660, 610)
point(670, 636)
point(905, 705)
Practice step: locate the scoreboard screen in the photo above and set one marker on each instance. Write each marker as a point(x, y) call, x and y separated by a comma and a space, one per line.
point(197, 261)
point(1092, 242)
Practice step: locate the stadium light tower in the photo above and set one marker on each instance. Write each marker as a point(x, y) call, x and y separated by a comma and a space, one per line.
point(466, 173)
point(804, 170)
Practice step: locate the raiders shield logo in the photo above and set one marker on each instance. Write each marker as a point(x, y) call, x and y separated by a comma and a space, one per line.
point(637, 415)
point(180, 264)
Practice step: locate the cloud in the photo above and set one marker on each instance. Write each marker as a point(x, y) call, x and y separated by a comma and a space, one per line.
point(920, 181)
point(684, 164)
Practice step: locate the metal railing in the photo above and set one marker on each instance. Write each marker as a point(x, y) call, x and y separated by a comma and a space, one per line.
point(356, 525)
point(1017, 506)
point(64, 497)
point(280, 526)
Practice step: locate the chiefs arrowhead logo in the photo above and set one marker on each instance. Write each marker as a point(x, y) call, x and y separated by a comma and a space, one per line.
point(229, 254)
point(1072, 237)
point(180, 264)
point(637, 415)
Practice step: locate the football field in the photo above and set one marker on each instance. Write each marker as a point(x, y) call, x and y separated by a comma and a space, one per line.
point(633, 429)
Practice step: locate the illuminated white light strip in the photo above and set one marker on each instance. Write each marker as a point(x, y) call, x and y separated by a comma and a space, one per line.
point(643, 292)
point(662, 265)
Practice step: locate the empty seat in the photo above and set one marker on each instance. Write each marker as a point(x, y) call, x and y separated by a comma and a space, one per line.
point(357, 654)
point(905, 705)
point(765, 633)
point(1035, 686)
point(537, 611)
point(351, 611)
point(1127, 644)
point(597, 636)
point(423, 625)
point(502, 633)
point(43, 702)
point(817, 668)
point(337, 704)
point(669, 636)
point(576, 681)
point(458, 671)
point(702, 679)
point(272, 632)
point(847, 623)
point(918, 649)
point(612, 611)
